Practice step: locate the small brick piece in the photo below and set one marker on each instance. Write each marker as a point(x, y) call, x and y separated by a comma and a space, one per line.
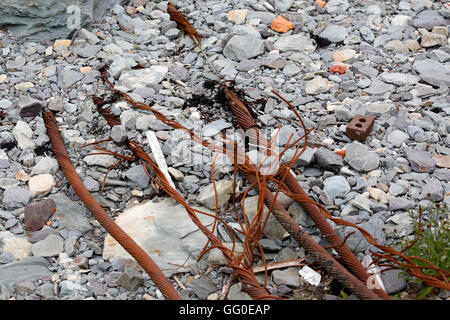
point(360, 127)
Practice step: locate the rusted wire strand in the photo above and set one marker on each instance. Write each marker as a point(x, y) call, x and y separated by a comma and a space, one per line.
point(249, 171)
point(102, 217)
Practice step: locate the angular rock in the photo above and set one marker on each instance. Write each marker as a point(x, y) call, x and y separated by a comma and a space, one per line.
point(16, 197)
point(432, 190)
point(360, 158)
point(213, 128)
point(23, 133)
point(203, 287)
point(243, 47)
point(327, 159)
point(420, 160)
point(317, 85)
point(379, 87)
point(288, 277)
point(397, 138)
point(334, 33)
point(393, 281)
point(207, 197)
point(101, 160)
point(71, 215)
point(30, 268)
point(17, 246)
point(336, 6)
point(273, 229)
point(51, 246)
point(37, 214)
point(138, 177)
point(45, 165)
point(432, 72)
point(430, 18)
point(164, 231)
point(29, 107)
point(400, 204)
point(296, 42)
point(336, 186)
point(300, 216)
point(399, 79)
point(142, 77)
point(68, 78)
point(41, 184)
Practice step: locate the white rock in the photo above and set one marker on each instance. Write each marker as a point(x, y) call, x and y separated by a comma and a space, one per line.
point(19, 247)
point(142, 77)
point(224, 190)
point(296, 42)
point(165, 231)
point(400, 20)
point(23, 133)
point(378, 194)
point(317, 85)
point(238, 16)
point(41, 184)
point(311, 276)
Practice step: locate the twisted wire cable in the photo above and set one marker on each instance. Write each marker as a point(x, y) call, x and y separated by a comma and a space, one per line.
point(102, 217)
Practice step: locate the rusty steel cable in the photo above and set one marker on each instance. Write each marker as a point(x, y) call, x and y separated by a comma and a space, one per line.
point(182, 23)
point(243, 273)
point(247, 124)
point(102, 217)
point(293, 229)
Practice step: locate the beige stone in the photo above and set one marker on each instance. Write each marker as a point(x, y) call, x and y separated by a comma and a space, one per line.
point(41, 184)
point(238, 16)
point(19, 247)
point(62, 42)
point(344, 55)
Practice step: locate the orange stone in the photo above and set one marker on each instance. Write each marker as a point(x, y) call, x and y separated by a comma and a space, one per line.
point(340, 153)
point(62, 42)
point(338, 68)
point(280, 24)
point(321, 3)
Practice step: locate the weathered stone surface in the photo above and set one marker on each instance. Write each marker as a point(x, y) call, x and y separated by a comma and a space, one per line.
point(360, 158)
point(207, 197)
point(30, 268)
point(48, 19)
point(71, 215)
point(243, 47)
point(51, 246)
point(164, 230)
point(17, 246)
point(296, 42)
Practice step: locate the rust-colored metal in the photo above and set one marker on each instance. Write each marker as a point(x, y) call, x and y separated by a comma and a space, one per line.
point(293, 188)
point(359, 127)
point(251, 173)
point(102, 217)
point(182, 23)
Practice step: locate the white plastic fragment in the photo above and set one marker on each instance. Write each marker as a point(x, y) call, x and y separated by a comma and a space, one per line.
point(159, 157)
point(374, 281)
point(309, 275)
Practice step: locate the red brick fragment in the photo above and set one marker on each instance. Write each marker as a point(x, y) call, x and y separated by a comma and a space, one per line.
point(360, 127)
point(338, 68)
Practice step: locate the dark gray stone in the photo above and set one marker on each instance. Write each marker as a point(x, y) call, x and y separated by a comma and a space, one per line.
point(48, 19)
point(393, 282)
point(203, 287)
point(30, 268)
point(71, 215)
point(328, 159)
